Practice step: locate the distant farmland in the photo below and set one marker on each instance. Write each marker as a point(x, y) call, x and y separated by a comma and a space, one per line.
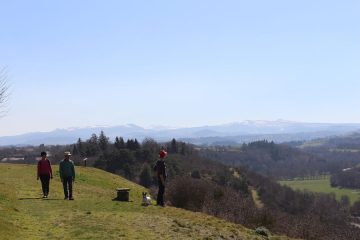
point(322, 186)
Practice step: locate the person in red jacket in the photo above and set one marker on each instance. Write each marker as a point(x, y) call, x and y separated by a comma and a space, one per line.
point(44, 172)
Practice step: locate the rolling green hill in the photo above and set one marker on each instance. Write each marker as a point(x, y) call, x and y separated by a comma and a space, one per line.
point(93, 214)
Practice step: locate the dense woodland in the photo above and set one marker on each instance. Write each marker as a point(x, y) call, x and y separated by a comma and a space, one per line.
point(342, 153)
point(345, 142)
point(199, 184)
point(349, 178)
point(281, 161)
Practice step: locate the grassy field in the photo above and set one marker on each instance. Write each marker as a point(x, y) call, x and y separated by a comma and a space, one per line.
point(93, 214)
point(323, 186)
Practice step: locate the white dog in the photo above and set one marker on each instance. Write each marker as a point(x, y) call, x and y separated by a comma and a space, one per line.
point(146, 200)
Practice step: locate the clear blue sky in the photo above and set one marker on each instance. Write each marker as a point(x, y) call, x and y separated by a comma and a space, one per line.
point(179, 63)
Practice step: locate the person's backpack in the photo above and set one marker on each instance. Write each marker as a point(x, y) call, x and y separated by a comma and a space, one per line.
point(157, 167)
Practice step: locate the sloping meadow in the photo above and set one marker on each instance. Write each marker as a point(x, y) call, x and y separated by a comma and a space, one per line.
point(94, 214)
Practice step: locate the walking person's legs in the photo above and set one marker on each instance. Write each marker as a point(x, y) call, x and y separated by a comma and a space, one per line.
point(45, 179)
point(70, 188)
point(160, 196)
point(42, 185)
point(65, 186)
point(47, 183)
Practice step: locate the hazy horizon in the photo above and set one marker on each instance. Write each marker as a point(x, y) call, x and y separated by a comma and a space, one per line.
point(168, 127)
point(178, 63)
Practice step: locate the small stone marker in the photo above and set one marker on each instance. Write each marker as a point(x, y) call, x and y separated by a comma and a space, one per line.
point(123, 194)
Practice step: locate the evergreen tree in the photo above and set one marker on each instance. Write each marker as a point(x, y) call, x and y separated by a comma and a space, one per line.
point(136, 145)
point(128, 173)
point(93, 139)
point(92, 147)
point(75, 151)
point(173, 146)
point(145, 176)
point(150, 145)
point(183, 149)
point(103, 142)
point(132, 144)
point(80, 147)
point(129, 144)
point(119, 143)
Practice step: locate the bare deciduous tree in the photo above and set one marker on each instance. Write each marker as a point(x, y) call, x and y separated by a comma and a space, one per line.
point(4, 91)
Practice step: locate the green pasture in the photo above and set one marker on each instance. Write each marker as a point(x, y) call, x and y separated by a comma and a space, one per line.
point(322, 186)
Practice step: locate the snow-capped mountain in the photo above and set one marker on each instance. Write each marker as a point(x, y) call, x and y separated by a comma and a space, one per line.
point(236, 131)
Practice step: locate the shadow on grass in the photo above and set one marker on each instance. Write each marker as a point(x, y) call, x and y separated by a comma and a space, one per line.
point(117, 200)
point(29, 198)
point(53, 199)
point(46, 199)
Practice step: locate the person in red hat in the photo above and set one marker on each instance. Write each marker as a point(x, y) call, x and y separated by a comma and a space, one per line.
point(160, 169)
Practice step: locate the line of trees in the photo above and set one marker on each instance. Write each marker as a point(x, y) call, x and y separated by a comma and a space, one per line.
point(129, 158)
point(282, 161)
point(346, 179)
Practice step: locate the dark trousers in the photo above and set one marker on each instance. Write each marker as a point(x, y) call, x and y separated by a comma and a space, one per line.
point(45, 182)
point(67, 184)
point(160, 196)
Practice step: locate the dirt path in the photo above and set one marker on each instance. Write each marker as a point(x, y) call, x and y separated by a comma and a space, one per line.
point(254, 194)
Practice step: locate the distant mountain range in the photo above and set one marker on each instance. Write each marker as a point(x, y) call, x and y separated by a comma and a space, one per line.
point(225, 134)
